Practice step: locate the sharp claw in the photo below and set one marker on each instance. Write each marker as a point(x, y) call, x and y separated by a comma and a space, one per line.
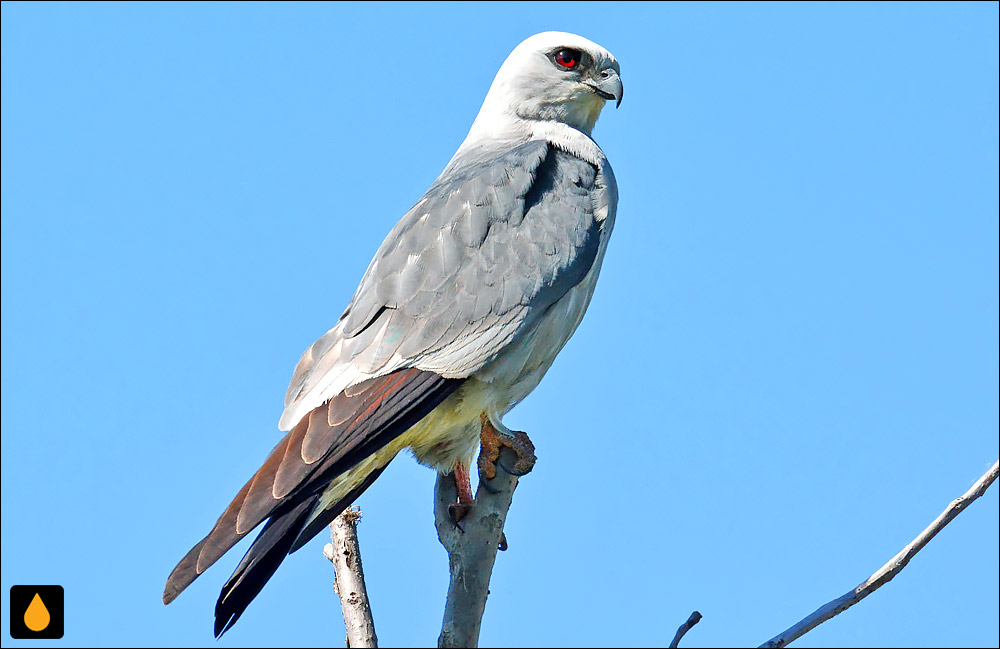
point(458, 511)
point(514, 471)
point(493, 440)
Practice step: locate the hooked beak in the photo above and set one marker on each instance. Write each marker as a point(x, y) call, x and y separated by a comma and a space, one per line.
point(609, 86)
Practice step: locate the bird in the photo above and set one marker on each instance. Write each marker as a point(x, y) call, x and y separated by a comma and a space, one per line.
point(459, 315)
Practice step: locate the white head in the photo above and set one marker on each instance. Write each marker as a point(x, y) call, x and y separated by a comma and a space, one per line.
point(552, 77)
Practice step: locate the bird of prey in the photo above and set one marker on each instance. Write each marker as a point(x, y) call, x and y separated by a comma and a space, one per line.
point(459, 315)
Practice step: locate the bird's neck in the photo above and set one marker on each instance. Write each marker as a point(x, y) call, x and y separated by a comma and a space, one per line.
point(513, 130)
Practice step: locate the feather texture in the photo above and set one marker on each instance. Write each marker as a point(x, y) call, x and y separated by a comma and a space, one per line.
point(314, 452)
point(458, 316)
point(491, 245)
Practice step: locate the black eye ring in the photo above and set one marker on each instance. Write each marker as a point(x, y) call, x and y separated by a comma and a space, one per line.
point(566, 58)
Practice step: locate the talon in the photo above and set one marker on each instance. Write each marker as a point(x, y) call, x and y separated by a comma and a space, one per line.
point(522, 467)
point(458, 511)
point(492, 440)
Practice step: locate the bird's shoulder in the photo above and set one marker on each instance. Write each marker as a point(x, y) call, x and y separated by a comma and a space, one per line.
point(472, 214)
point(496, 239)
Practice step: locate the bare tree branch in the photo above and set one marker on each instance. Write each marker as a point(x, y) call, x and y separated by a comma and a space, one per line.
point(684, 628)
point(472, 548)
point(889, 570)
point(345, 554)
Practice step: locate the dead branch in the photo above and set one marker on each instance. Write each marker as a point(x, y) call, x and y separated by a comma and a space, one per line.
point(889, 570)
point(345, 554)
point(472, 548)
point(695, 618)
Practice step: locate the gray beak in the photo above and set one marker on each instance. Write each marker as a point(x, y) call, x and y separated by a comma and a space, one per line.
point(609, 86)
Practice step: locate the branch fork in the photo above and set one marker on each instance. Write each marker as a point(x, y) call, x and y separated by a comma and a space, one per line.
point(472, 547)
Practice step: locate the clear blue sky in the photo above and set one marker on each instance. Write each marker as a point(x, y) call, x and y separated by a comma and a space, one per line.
point(790, 366)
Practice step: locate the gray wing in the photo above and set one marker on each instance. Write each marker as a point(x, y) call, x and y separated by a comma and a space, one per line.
point(491, 245)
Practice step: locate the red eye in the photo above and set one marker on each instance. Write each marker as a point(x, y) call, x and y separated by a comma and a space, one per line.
point(567, 58)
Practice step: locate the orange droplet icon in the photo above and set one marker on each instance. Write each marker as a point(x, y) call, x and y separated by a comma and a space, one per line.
point(37, 616)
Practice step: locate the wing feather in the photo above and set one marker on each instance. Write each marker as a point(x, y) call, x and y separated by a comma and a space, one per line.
point(495, 235)
point(300, 467)
point(496, 241)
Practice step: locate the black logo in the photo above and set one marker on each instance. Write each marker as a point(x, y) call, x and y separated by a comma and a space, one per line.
point(36, 612)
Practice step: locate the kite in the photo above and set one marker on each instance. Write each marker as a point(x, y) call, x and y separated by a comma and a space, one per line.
point(459, 315)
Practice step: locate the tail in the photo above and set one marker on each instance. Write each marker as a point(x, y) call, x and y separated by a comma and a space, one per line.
point(330, 444)
point(284, 533)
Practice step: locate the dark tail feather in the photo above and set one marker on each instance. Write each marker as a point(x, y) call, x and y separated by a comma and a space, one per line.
point(259, 563)
point(325, 518)
point(284, 533)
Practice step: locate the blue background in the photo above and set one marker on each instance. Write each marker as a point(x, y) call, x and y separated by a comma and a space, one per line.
point(790, 366)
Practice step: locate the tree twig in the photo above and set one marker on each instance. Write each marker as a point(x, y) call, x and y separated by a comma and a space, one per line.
point(472, 549)
point(345, 554)
point(889, 570)
point(695, 618)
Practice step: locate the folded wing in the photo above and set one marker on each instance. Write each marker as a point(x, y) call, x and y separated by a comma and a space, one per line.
point(491, 245)
point(333, 438)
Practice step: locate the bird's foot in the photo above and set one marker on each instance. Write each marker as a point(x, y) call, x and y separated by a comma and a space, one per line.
point(458, 511)
point(492, 440)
